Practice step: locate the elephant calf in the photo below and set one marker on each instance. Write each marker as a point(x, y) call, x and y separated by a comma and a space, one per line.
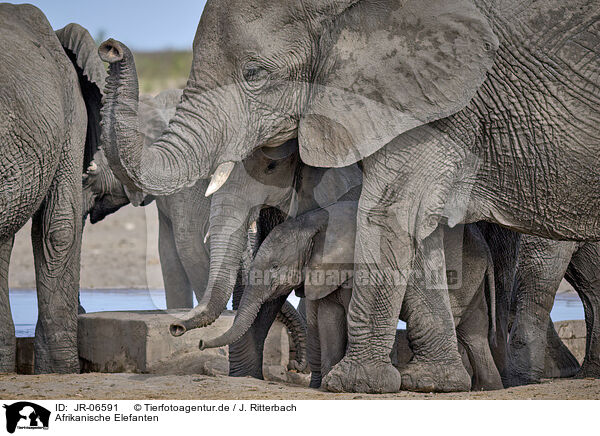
point(317, 249)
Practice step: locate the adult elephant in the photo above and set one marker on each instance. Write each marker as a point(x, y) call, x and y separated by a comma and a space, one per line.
point(460, 112)
point(49, 124)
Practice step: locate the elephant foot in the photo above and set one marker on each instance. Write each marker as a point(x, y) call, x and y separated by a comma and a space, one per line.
point(589, 370)
point(369, 378)
point(434, 376)
point(520, 379)
point(493, 382)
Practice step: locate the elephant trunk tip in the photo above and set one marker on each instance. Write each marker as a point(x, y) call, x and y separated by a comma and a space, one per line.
point(111, 51)
point(202, 345)
point(177, 329)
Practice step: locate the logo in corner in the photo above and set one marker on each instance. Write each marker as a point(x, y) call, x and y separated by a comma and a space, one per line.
point(26, 415)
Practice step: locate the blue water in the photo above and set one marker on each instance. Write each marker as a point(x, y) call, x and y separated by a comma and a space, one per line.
point(23, 304)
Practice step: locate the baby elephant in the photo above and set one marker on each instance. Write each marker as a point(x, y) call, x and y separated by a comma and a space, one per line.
point(317, 249)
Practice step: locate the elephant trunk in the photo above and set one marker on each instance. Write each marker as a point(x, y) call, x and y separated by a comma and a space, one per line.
point(228, 240)
point(290, 317)
point(244, 318)
point(175, 160)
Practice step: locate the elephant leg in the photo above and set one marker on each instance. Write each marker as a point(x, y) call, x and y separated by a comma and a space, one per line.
point(8, 345)
point(56, 239)
point(302, 308)
point(246, 354)
point(399, 212)
point(584, 275)
point(178, 290)
point(559, 361)
point(473, 332)
point(542, 265)
point(332, 330)
point(504, 247)
point(436, 364)
point(313, 342)
point(372, 315)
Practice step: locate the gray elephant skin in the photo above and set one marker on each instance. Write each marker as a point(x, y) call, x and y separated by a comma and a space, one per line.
point(49, 124)
point(184, 221)
point(541, 267)
point(316, 250)
point(460, 111)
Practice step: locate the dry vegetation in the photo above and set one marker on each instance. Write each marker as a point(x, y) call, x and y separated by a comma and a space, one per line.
point(158, 71)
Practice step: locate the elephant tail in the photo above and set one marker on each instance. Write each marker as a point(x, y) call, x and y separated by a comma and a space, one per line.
point(290, 317)
point(491, 296)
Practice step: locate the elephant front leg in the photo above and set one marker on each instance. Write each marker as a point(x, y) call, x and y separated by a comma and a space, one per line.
point(436, 365)
point(178, 290)
point(584, 274)
point(373, 311)
point(402, 200)
point(313, 347)
point(7, 328)
point(56, 238)
point(246, 354)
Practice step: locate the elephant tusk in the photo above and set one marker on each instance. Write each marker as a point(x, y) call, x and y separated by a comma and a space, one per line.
point(219, 177)
point(92, 168)
point(206, 236)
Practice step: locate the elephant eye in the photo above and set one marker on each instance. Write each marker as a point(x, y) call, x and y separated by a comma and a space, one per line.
point(254, 74)
point(274, 267)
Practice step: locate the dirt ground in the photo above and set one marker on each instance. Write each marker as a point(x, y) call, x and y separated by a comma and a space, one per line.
point(120, 252)
point(95, 386)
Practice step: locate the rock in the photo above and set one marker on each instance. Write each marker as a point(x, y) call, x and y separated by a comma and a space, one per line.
point(139, 341)
point(275, 373)
point(573, 334)
point(277, 340)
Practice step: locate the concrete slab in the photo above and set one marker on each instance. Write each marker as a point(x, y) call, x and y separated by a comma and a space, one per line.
point(140, 342)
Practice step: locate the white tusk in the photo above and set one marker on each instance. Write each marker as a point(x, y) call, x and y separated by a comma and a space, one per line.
point(92, 168)
point(219, 178)
point(206, 236)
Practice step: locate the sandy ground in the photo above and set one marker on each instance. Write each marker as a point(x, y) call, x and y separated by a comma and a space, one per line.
point(120, 252)
point(139, 386)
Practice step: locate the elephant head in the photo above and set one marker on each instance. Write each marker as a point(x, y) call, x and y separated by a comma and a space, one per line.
point(316, 248)
point(343, 76)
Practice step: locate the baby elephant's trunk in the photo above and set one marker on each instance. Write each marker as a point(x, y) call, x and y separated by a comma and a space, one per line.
point(242, 322)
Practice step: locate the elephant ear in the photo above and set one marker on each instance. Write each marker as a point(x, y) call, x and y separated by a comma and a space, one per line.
point(387, 70)
point(331, 263)
point(83, 53)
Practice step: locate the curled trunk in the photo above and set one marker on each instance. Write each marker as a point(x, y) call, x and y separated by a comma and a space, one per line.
point(290, 317)
point(175, 160)
point(243, 320)
point(228, 240)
